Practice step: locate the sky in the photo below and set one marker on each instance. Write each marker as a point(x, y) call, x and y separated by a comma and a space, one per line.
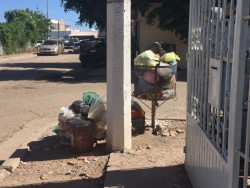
point(55, 10)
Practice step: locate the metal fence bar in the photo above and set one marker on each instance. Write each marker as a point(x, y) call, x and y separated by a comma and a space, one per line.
point(198, 52)
point(236, 94)
point(203, 61)
point(208, 53)
point(247, 144)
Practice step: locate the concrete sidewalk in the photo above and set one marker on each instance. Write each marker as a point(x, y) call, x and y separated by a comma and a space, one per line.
point(122, 174)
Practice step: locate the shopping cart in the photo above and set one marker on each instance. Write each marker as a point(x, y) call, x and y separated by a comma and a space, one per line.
point(148, 85)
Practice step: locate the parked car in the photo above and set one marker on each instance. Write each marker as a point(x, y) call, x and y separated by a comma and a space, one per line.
point(93, 53)
point(51, 46)
point(68, 44)
point(38, 44)
point(76, 47)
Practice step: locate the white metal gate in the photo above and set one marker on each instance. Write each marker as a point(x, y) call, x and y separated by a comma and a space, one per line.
point(218, 130)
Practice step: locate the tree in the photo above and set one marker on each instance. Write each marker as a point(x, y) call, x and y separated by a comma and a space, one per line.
point(171, 15)
point(22, 27)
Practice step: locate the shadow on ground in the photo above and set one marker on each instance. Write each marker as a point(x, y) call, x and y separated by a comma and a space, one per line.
point(160, 177)
point(52, 72)
point(49, 148)
point(90, 183)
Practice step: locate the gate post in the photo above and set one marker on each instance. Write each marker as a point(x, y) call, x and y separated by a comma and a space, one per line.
point(237, 89)
point(118, 74)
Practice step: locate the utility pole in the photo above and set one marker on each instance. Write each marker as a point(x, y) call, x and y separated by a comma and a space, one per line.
point(118, 75)
point(37, 9)
point(58, 28)
point(47, 10)
point(47, 19)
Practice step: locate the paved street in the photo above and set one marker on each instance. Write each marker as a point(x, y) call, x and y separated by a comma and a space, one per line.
point(35, 87)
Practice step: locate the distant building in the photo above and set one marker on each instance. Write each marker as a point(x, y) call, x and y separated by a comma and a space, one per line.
point(65, 31)
point(55, 24)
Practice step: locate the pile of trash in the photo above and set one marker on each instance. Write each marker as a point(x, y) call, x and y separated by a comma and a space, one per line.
point(90, 111)
point(155, 72)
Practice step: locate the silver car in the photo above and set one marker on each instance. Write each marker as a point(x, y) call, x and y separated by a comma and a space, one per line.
point(76, 47)
point(51, 46)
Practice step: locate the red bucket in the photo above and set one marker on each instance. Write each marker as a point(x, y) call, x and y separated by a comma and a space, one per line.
point(82, 138)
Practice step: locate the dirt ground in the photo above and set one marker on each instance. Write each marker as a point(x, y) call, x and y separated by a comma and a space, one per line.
point(49, 164)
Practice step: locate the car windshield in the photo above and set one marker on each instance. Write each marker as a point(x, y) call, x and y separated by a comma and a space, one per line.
point(90, 44)
point(39, 41)
point(77, 44)
point(50, 42)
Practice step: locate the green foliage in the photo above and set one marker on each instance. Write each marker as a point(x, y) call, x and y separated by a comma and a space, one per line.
point(22, 27)
point(171, 15)
point(92, 12)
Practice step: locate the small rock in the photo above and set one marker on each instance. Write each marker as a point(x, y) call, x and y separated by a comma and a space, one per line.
point(23, 163)
point(153, 160)
point(3, 173)
point(68, 173)
point(172, 133)
point(148, 147)
point(86, 160)
point(128, 151)
point(179, 131)
point(43, 177)
point(81, 157)
point(71, 162)
point(83, 175)
point(165, 133)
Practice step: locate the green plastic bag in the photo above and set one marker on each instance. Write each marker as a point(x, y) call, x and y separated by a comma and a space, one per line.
point(89, 98)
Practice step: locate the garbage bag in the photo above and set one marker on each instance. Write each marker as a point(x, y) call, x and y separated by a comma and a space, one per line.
point(143, 86)
point(147, 58)
point(169, 57)
point(100, 131)
point(136, 110)
point(164, 80)
point(171, 69)
point(90, 98)
point(76, 106)
point(77, 121)
point(65, 114)
point(85, 110)
point(97, 112)
point(150, 76)
point(156, 48)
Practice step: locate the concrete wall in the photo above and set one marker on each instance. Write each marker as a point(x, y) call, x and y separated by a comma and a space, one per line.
point(150, 34)
point(62, 34)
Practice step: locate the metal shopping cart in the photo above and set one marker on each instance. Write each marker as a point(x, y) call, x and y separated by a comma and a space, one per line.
point(155, 83)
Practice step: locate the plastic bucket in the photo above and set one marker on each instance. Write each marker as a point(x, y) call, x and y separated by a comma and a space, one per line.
point(82, 138)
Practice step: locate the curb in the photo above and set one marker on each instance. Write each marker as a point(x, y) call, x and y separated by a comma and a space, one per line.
point(11, 153)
